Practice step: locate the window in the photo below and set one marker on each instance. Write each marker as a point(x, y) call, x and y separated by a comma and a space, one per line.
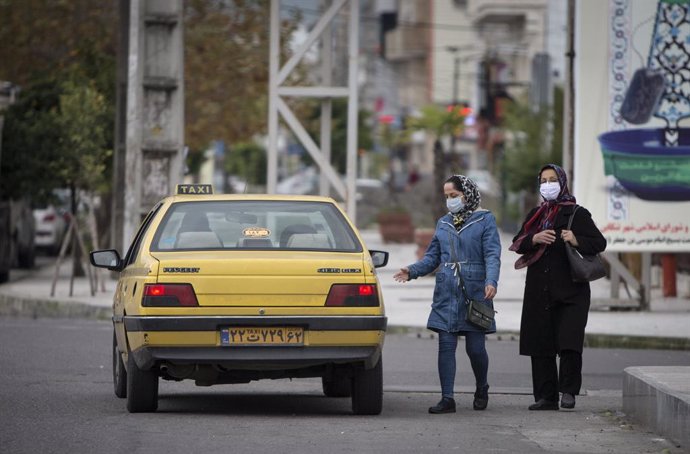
point(255, 225)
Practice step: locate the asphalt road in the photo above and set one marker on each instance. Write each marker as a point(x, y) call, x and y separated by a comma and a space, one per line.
point(56, 396)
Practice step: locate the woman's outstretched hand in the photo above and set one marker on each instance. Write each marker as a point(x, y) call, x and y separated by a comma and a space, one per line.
point(403, 275)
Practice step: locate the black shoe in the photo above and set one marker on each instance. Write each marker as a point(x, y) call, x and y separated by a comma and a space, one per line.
point(543, 404)
point(481, 398)
point(445, 405)
point(567, 401)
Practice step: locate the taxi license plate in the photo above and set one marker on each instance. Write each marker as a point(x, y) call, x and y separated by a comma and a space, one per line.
point(261, 336)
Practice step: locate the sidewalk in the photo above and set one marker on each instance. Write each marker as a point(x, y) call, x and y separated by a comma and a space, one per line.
point(667, 325)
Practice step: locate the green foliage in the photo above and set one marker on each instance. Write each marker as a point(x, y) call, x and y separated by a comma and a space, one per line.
point(55, 136)
point(248, 161)
point(75, 64)
point(437, 120)
point(83, 151)
point(339, 108)
point(194, 160)
point(537, 138)
point(30, 137)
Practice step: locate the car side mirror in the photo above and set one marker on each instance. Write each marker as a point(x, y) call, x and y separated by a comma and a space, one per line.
point(108, 258)
point(379, 258)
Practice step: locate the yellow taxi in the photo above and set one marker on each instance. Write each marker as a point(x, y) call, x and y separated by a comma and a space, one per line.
point(223, 289)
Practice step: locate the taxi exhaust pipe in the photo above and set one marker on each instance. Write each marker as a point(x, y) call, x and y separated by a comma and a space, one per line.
point(177, 371)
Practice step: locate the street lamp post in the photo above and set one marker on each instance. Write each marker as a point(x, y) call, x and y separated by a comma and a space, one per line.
point(455, 50)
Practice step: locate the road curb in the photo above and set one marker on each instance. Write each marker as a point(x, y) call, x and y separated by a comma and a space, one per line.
point(17, 306)
point(591, 340)
point(636, 342)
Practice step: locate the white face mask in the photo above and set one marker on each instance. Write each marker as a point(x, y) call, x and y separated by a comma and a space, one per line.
point(455, 205)
point(550, 190)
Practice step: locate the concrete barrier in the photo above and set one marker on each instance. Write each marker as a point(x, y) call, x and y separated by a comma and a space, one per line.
point(659, 399)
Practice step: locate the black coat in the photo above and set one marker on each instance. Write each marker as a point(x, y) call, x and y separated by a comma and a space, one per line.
point(554, 309)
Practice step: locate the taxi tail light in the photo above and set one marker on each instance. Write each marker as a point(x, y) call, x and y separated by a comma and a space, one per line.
point(353, 295)
point(169, 295)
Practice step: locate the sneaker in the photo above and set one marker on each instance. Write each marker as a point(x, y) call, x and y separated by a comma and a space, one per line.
point(567, 401)
point(445, 405)
point(543, 404)
point(481, 398)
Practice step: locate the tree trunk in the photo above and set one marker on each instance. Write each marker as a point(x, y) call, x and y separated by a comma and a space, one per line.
point(440, 166)
point(77, 268)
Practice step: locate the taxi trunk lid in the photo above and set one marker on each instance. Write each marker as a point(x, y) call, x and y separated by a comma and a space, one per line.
point(261, 278)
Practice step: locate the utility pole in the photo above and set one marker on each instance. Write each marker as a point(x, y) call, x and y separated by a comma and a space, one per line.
point(455, 50)
point(149, 142)
point(569, 97)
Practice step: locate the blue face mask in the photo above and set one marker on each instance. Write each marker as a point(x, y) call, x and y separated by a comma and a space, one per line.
point(455, 204)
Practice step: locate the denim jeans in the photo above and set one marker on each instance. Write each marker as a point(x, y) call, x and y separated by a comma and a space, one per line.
point(476, 351)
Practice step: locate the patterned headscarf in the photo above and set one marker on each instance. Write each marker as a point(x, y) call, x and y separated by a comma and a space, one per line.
point(544, 217)
point(472, 198)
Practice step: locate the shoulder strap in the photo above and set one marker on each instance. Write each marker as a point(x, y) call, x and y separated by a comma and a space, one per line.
point(570, 221)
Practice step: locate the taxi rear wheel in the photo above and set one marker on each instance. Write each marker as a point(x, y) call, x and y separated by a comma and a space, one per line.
point(142, 388)
point(336, 386)
point(119, 372)
point(367, 390)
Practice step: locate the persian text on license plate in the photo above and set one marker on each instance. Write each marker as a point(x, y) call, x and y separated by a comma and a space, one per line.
point(262, 336)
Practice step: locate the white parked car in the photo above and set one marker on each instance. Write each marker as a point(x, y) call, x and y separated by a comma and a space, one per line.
point(51, 227)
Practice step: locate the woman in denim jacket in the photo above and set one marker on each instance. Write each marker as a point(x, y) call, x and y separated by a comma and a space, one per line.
point(466, 243)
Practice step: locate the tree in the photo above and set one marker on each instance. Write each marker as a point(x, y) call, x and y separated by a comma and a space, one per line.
point(47, 44)
point(339, 110)
point(247, 160)
point(537, 138)
point(46, 37)
point(439, 123)
point(226, 70)
point(83, 151)
point(29, 142)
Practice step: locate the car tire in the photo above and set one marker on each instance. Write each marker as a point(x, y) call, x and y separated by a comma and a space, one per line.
point(367, 390)
point(119, 371)
point(4, 277)
point(337, 386)
point(142, 388)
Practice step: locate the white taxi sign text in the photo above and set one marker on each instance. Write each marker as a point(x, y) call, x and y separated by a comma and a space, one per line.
point(202, 189)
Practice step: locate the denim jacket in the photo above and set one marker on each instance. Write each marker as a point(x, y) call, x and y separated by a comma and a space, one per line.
point(477, 257)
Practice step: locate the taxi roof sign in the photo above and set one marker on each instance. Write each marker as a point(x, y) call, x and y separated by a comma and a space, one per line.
point(189, 189)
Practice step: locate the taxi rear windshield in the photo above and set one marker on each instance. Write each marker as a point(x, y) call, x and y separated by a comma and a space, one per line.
point(272, 225)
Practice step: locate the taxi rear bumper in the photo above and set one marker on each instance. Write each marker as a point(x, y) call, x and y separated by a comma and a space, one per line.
point(258, 358)
point(195, 340)
point(214, 323)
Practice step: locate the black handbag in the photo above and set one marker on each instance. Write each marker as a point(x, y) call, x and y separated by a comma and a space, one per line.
point(583, 267)
point(478, 313)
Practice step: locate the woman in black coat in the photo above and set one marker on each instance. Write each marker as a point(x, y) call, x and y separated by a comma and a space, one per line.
point(554, 309)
